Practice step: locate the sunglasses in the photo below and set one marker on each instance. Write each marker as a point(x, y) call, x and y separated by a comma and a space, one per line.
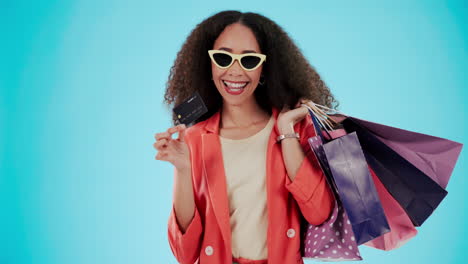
point(248, 61)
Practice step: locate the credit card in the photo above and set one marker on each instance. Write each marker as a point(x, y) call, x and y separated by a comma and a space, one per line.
point(190, 110)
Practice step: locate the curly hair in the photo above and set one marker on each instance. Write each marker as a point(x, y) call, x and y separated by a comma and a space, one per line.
point(288, 75)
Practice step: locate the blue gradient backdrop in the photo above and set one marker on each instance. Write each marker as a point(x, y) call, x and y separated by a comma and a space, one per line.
point(82, 85)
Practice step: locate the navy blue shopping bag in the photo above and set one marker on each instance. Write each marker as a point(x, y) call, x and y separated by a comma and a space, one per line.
point(346, 168)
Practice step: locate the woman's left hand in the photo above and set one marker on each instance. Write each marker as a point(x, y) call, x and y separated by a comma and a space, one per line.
point(287, 118)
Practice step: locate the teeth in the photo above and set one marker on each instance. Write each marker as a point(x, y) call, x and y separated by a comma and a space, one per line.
point(235, 85)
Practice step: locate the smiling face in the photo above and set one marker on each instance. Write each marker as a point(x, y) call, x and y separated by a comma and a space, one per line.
point(236, 85)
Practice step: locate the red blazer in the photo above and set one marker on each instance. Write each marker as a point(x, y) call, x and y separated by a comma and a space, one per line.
point(207, 239)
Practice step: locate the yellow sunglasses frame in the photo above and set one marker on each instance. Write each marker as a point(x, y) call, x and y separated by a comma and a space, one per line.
point(237, 57)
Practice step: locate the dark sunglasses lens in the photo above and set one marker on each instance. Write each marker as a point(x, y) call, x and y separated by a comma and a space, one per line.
point(222, 59)
point(250, 62)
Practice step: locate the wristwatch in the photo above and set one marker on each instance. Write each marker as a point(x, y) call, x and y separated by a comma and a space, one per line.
point(292, 135)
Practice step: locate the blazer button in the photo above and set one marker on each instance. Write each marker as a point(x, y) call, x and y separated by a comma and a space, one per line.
point(209, 250)
point(291, 233)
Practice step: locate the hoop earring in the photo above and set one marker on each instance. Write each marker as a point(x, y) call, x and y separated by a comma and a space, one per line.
point(261, 82)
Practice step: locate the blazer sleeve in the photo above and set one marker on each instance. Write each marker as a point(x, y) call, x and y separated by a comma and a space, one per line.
point(310, 188)
point(185, 245)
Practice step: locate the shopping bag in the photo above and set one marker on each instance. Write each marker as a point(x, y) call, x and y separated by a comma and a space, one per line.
point(402, 160)
point(347, 171)
point(434, 156)
point(401, 227)
point(334, 239)
point(415, 191)
point(355, 187)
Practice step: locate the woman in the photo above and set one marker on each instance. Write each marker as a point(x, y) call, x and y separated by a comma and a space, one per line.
point(240, 191)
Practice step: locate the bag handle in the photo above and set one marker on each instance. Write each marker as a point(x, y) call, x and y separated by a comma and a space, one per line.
point(320, 116)
point(320, 120)
point(333, 111)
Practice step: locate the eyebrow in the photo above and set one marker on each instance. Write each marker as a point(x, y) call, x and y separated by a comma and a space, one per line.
point(230, 50)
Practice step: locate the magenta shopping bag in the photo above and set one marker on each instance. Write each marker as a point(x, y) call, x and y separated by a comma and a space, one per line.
point(401, 227)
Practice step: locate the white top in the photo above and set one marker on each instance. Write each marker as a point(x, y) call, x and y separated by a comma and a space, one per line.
point(245, 169)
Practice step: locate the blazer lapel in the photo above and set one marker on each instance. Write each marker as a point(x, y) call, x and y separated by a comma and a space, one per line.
point(215, 176)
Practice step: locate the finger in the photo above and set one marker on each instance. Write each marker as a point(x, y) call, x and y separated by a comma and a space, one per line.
point(162, 155)
point(299, 114)
point(305, 103)
point(182, 133)
point(309, 103)
point(160, 144)
point(158, 156)
point(302, 101)
point(174, 129)
point(162, 135)
point(166, 156)
point(177, 129)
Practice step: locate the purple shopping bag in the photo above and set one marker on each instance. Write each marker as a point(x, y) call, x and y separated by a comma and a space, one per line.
point(344, 163)
point(338, 237)
point(334, 239)
point(356, 188)
point(434, 156)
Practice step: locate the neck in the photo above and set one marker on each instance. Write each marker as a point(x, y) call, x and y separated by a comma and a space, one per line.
point(243, 115)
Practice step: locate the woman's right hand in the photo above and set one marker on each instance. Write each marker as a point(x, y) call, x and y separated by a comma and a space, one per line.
point(172, 150)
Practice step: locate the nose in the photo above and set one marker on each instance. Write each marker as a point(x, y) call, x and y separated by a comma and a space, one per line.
point(235, 69)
